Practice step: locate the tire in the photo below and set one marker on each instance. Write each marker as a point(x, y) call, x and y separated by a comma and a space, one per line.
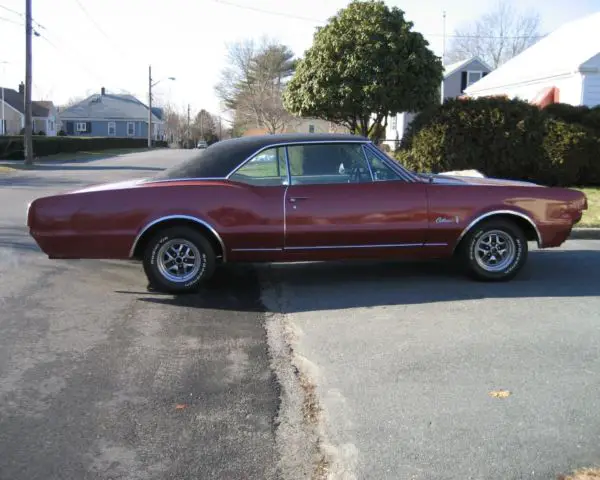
point(200, 255)
point(490, 234)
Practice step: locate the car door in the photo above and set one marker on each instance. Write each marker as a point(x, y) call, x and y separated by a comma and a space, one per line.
point(343, 198)
point(253, 210)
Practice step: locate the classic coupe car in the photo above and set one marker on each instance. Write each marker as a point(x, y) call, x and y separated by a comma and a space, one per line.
point(301, 197)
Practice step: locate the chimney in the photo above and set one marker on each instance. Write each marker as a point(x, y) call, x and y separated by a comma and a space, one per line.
point(102, 91)
point(21, 88)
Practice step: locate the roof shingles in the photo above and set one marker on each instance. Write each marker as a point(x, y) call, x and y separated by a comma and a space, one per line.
point(108, 107)
point(17, 101)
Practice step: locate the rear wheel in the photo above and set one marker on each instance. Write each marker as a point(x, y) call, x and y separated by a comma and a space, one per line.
point(178, 260)
point(494, 250)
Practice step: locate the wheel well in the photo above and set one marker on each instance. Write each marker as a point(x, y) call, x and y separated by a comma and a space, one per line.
point(177, 222)
point(525, 225)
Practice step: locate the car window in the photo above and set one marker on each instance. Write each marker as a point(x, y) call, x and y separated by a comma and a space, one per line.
point(381, 171)
point(267, 168)
point(328, 163)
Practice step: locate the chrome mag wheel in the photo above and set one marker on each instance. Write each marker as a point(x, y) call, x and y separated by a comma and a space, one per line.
point(495, 250)
point(179, 260)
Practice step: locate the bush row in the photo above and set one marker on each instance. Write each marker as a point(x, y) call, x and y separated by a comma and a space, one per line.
point(559, 145)
point(12, 147)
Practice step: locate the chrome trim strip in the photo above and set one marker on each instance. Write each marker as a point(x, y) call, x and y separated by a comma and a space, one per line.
point(257, 249)
point(499, 212)
point(180, 217)
point(190, 179)
point(405, 174)
point(286, 144)
point(287, 166)
point(330, 247)
point(364, 150)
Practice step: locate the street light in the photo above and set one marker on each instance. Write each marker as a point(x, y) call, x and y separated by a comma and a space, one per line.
point(150, 85)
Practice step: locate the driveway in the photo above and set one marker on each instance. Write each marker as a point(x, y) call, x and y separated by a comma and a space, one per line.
point(101, 380)
point(407, 360)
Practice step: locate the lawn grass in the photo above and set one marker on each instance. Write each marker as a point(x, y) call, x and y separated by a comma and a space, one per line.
point(591, 217)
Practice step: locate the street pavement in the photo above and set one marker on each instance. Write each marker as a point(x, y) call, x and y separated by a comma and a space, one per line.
point(406, 359)
point(101, 380)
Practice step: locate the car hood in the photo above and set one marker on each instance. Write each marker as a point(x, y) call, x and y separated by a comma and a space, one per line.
point(110, 186)
point(460, 180)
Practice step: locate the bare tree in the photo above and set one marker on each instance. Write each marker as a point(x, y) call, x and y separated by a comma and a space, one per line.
point(204, 127)
point(497, 36)
point(175, 123)
point(252, 85)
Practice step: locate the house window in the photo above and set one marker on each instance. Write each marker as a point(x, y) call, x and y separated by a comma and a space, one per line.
point(130, 129)
point(81, 127)
point(394, 122)
point(112, 129)
point(473, 77)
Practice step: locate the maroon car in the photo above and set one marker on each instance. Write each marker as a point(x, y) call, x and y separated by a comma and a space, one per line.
point(295, 197)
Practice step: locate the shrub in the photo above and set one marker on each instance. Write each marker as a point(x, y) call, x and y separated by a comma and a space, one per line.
point(505, 138)
point(496, 136)
point(569, 151)
point(12, 146)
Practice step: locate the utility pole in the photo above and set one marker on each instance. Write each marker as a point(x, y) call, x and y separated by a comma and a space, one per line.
point(149, 106)
point(443, 55)
point(28, 81)
point(3, 120)
point(201, 124)
point(188, 123)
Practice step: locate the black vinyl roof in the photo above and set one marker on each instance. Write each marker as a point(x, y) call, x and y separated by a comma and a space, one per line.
point(218, 160)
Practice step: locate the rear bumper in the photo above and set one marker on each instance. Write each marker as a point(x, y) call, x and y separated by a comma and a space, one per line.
point(77, 246)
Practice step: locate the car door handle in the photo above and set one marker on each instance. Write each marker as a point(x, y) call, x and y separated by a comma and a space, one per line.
point(296, 199)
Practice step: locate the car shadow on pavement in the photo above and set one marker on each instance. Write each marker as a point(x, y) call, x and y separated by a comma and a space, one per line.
point(231, 288)
point(345, 285)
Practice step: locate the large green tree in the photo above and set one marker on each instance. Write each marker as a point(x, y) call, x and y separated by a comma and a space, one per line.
point(366, 64)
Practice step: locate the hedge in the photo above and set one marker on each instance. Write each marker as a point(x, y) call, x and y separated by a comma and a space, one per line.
point(11, 147)
point(506, 138)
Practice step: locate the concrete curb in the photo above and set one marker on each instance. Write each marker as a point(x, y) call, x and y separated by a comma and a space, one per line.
point(585, 234)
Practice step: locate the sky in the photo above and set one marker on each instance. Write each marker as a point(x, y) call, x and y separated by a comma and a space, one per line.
point(84, 45)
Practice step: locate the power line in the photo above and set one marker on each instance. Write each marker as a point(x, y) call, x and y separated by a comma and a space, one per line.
point(83, 66)
point(11, 10)
point(91, 19)
point(118, 50)
point(22, 15)
point(8, 20)
point(321, 22)
point(269, 12)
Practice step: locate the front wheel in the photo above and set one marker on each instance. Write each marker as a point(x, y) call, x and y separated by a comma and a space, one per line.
point(494, 250)
point(178, 260)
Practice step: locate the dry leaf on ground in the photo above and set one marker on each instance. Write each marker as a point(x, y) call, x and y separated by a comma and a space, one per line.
point(499, 393)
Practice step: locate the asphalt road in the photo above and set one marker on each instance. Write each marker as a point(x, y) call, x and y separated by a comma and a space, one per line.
point(405, 356)
point(101, 380)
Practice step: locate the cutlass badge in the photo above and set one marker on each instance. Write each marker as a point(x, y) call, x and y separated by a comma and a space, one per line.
point(447, 220)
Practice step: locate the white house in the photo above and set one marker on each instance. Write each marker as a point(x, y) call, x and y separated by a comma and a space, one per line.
point(562, 67)
point(12, 113)
point(457, 77)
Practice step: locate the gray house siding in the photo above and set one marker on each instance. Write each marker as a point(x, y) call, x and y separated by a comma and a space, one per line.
point(456, 83)
point(99, 128)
